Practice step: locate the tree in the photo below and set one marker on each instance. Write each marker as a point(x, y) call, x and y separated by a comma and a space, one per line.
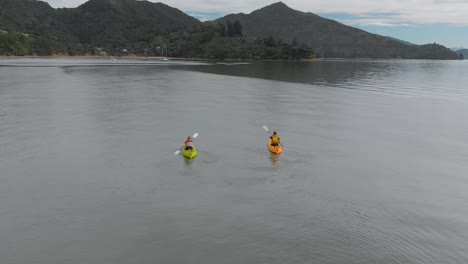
point(44, 45)
point(229, 30)
point(270, 42)
point(237, 28)
point(221, 29)
point(294, 42)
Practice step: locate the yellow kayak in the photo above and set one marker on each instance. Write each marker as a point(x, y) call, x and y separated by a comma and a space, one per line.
point(275, 149)
point(189, 153)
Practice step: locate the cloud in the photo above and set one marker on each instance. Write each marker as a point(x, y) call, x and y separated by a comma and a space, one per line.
point(372, 22)
point(392, 12)
point(366, 12)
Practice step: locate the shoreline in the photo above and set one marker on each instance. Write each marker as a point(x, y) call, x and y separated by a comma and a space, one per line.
point(159, 58)
point(140, 58)
point(100, 57)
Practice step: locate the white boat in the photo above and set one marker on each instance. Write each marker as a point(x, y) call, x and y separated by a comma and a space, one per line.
point(162, 55)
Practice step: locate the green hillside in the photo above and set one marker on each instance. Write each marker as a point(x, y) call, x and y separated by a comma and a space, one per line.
point(131, 27)
point(328, 38)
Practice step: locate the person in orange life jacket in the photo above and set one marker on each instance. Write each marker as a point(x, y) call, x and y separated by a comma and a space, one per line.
point(275, 140)
point(188, 144)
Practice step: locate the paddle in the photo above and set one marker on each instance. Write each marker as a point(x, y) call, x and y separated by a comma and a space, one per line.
point(178, 151)
point(266, 129)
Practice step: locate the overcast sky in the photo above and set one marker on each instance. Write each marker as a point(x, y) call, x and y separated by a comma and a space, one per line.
point(417, 21)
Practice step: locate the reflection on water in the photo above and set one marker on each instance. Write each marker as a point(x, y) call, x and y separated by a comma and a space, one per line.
point(376, 173)
point(188, 162)
point(274, 158)
point(418, 78)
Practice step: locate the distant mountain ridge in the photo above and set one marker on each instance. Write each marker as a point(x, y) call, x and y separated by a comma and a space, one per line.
point(329, 38)
point(463, 52)
point(121, 27)
point(97, 23)
point(401, 41)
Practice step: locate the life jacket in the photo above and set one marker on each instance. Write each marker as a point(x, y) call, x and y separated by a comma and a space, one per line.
point(188, 142)
point(275, 139)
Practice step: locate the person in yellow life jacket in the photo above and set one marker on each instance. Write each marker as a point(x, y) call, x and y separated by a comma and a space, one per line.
point(275, 140)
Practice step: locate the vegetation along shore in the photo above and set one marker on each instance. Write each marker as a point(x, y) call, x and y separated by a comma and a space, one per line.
point(141, 28)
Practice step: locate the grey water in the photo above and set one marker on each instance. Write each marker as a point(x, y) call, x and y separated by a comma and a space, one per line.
point(375, 168)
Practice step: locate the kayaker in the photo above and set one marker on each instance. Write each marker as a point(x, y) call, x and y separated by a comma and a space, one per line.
point(188, 143)
point(275, 140)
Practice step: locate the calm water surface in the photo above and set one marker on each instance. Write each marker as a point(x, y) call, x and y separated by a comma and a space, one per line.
point(375, 170)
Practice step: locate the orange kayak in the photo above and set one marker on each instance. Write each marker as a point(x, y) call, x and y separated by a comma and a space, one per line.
point(274, 149)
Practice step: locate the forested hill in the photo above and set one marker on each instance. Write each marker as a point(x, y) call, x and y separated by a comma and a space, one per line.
point(124, 21)
point(127, 27)
point(328, 38)
point(107, 25)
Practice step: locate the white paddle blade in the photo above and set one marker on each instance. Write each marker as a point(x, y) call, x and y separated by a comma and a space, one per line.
point(266, 128)
point(177, 152)
point(195, 135)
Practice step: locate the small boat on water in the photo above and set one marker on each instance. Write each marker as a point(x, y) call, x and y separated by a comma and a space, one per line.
point(188, 150)
point(189, 153)
point(275, 149)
